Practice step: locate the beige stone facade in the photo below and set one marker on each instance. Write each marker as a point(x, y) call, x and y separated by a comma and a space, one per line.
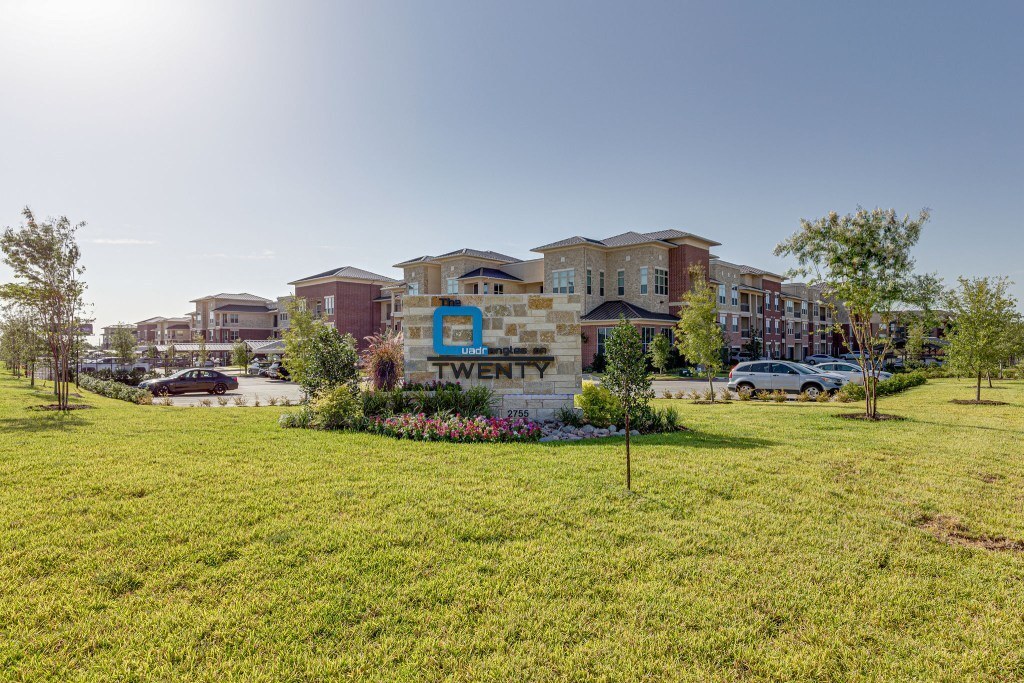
point(533, 362)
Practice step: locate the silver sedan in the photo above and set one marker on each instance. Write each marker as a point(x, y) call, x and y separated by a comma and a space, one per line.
point(848, 371)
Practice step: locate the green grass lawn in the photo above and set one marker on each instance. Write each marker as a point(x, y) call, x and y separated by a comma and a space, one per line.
point(772, 542)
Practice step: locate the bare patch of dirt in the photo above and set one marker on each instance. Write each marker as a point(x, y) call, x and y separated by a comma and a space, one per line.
point(702, 402)
point(880, 417)
point(950, 530)
point(54, 406)
point(991, 477)
point(973, 402)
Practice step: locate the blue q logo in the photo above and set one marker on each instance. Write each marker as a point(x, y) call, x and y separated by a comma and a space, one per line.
point(476, 348)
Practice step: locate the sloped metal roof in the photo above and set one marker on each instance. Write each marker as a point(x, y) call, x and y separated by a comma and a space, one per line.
point(613, 310)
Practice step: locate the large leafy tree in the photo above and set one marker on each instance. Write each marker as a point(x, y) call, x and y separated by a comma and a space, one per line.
point(698, 334)
point(985, 324)
point(863, 266)
point(626, 376)
point(44, 258)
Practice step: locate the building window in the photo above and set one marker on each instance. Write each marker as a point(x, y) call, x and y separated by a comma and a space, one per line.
point(590, 282)
point(602, 335)
point(721, 294)
point(723, 322)
point(329, 304)
point(643, 280)
point(620, 278)
point(413, 289)
point(499, 288)
point(647, 336)
point(735, 323)
point(232, 318)
point(600, 283)
point(661, 281)
point(319, 310)
point(234, 335)
point(453, 286)
point(563, 281)
point(735, 295)
point(776, 301)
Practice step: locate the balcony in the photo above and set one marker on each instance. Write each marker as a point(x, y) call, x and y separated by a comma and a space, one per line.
point(745, 334)
point(745, 308)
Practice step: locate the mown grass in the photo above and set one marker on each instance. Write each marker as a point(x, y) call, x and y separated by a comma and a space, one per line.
point(773, 542)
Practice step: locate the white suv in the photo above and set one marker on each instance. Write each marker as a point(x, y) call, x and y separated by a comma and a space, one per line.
point(779, 374)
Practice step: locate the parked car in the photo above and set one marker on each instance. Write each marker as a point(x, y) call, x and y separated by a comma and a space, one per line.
point(278, 371)
point(785, 375)
point(191, 380)
point(819, 358)
point(849, 371)
point(111, 363)
point(740, 357)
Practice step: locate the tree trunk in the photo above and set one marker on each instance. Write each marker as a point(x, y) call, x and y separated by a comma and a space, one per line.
point(977, 393)
point(711, 386)
point(629, 479)
point(989, 379)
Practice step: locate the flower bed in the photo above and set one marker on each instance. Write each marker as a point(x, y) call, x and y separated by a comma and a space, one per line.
point(455, 428)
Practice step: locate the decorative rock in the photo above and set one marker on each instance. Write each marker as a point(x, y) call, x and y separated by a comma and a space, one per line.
point(601, 432)
point(633, 432)
point(611, 428)
point(588, 429)
point(544, 439)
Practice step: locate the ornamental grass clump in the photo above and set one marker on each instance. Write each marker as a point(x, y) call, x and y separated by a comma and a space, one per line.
point(384, 359)
point(456, 429)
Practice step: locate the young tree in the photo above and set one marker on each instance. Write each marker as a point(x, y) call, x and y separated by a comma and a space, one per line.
point(626, 376)
point(862, 264)
point(316, 355)
point(240, 354)
point(44, 258)
point(698, 334)
point(123, 343)
point(169, 357)
point(661, 352)
point(200, 339)
point(985, 320)
point(913, 350)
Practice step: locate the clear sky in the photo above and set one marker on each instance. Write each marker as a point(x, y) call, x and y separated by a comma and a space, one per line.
point(218, 146)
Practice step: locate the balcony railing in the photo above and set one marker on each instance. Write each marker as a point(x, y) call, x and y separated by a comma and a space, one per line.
point(745, 308)
point(745, 334)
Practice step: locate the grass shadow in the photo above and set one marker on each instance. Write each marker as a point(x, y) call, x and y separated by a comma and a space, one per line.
point(689, 438)
point(43, 422)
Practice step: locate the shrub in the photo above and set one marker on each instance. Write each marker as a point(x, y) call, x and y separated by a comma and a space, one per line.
point(456, 428)
point(779, 396)
point(241, 401)
point(568, 415)
point(902, 382)
point(337, 408)
point(764, 395)
point(383, 403)
point(823, 397)
point(680, 394)
point(222, 400)
point(166, 401)
point(707, 395)
point(667, 393)
point(850, 392)
point(206, 403)
point(744, 394)
point(804, 397)
point(724, 396)
point(599, 405)
point(114, 389)
point(599, 363)
point(272, 401)
point(477, 402)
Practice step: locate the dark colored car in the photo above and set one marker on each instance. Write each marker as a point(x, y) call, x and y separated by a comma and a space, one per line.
point(191, 380)
point(278, 371)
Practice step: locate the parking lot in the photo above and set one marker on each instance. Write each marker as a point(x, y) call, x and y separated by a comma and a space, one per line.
point(250, 389)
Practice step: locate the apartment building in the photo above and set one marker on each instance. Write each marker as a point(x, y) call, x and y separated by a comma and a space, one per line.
point(749, 304)
point(107, 334)
point(161, 330)
point(349, 298)
point(229, 317)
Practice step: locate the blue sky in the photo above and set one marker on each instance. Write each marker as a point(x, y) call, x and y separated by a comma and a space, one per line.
point(218, 146)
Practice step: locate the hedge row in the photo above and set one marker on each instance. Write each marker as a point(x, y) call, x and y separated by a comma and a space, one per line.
point(112, 389)
point(893, 385)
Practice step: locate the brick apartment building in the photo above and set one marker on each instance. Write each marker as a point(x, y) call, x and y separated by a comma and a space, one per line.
point(350, 298)
point(161, 330)
point(229, 317)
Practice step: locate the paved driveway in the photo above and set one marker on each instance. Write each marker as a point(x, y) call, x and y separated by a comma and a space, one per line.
point(250, 388)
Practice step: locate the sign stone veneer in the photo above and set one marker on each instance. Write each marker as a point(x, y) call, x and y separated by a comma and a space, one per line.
point(541, 325)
